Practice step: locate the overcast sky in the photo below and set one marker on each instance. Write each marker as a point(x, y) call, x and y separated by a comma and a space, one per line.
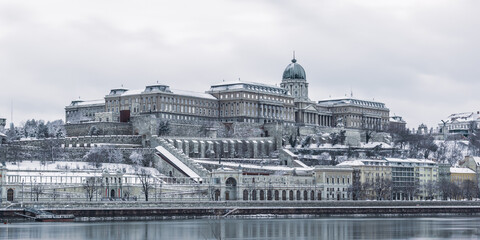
point(421, 58)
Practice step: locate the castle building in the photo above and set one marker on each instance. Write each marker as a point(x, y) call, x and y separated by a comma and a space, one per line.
point(253, 102)
point(236, 101)
point(83, 111)
point(397, 124)
point(460, 123)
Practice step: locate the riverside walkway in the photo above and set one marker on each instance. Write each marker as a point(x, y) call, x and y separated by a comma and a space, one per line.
point(159, 210)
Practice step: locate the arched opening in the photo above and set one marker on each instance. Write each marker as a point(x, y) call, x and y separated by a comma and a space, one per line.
point(10, 193)
point(217, 195)
point(312, 195)
point(298, 195)
point(254, 195)
point(305, 195)
point(284, 195)
point(338, 197)
point(277, 195)
point(269, 195)
point(245, 195)
point(319, 196)
point(112, 193)
point(262, 195)
point(231, 189)
point(290, 195)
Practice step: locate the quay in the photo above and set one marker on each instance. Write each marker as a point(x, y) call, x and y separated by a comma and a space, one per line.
point(165, 210)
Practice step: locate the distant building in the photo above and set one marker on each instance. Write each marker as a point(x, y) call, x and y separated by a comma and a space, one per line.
point(3, 137)
point(460, 123)
point(422, 129)
point(459, 175)
point(83, 111)
point(397, 124)
point(409, 179)
point(253, 102)
point(3, 123)
point(236, 101)
point(472, 163)
point(358, 114)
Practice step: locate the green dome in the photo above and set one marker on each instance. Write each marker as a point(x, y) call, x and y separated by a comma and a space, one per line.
point(294, 71)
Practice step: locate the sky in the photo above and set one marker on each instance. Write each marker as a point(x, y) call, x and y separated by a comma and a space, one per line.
point(421, 58)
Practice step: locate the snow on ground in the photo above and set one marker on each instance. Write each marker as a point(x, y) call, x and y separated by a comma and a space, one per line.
point(74, 166)
point(251, 166)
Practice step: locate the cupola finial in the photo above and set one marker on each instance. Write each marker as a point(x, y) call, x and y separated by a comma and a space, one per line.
point(294, 60)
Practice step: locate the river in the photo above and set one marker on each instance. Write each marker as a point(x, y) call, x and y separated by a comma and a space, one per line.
point(445, 227)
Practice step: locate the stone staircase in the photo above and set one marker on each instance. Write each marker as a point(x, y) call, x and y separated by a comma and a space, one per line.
point(197, 168)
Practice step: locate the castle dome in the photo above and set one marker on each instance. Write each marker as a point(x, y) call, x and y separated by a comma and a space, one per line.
point(294, 71)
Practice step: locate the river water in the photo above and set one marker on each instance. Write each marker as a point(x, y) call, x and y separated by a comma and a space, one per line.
point(264, 228)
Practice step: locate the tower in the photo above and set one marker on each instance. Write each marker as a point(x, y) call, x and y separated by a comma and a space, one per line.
point(294, 80)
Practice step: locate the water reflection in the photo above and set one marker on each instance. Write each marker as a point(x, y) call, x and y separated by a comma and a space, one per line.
point(304, 228)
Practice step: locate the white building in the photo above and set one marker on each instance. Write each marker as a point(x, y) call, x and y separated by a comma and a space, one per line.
point(460, 123)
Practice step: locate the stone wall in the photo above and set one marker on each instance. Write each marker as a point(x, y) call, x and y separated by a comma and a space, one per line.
point(149, 125)
point(220, 147)
point(13, 153)
point(102, 128)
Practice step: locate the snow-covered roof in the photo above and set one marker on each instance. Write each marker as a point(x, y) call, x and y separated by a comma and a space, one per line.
point(351, 101)
point(397, 119)
point(92, 102)
point(193, 94)
point(172, 91)
point(250, 166)
point(132, 92)
point(410, 160)
point(260, 87)
point(463, 117)
point(351, 163)
point(461, 170)
point(87, 103)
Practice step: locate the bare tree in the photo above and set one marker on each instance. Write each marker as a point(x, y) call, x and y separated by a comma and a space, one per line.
point(103, 154)
point(145, 178)
point(91, 187)
point(430, 188)
point(469, 189)
point(382, 188)
point(412, 189)
point(37, 190)
point(444, 187)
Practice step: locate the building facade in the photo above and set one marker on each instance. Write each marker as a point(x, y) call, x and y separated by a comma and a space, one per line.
point(236, 102)
point(460, 123)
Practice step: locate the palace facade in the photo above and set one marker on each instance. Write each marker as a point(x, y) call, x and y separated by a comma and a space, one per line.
point(237, 101)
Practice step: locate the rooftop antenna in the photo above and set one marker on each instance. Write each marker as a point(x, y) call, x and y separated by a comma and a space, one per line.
point(11, 111)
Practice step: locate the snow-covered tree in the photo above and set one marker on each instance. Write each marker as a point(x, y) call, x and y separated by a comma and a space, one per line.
point(136, 158)
point(103, 154)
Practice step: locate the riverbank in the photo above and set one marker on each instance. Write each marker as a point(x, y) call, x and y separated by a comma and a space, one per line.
point(99, 211)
